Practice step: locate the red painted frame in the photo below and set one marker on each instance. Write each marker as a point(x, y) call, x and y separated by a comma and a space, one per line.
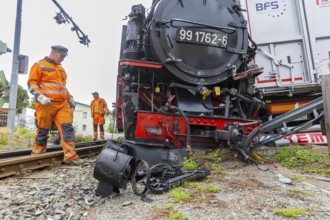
point(167, 123)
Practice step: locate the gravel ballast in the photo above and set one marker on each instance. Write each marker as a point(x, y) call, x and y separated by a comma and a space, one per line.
point(245, 192)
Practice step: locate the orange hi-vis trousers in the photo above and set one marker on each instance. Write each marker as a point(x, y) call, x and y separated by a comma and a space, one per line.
point(98, 120)
point(61, 114)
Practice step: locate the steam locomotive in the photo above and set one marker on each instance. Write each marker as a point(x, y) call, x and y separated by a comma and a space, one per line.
point(186, 77)
point(186, 83)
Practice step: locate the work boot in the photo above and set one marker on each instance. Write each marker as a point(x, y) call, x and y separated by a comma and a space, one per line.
point(75, 162)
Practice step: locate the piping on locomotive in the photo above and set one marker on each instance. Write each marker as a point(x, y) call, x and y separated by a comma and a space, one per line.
point(186, 79)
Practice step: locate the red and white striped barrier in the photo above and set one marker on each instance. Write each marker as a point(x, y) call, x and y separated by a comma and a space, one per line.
point(307, 138)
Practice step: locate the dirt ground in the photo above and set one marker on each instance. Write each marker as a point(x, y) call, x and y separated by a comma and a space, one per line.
point(244, 192)
point(234, 190)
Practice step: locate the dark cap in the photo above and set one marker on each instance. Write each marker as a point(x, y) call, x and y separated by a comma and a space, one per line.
point(95, 93)
point(60, 48)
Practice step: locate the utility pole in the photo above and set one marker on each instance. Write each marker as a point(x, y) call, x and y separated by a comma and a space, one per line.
point(14, 74)
point(325, 85)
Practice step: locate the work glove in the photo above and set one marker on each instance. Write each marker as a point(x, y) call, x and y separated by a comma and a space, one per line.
point(72, 103)
point(43, 99)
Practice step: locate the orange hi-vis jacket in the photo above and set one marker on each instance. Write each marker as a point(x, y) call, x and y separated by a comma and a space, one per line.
point(99, 106)
point(49, 79)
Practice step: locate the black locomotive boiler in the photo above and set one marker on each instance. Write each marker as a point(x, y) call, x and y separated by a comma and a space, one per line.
point(186, 79)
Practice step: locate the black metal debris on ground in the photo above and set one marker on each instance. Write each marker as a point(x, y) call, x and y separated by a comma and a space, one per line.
point(114, 168)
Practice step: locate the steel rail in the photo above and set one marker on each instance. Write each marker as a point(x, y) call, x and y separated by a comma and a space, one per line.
point(21, 164)
point(24, 152)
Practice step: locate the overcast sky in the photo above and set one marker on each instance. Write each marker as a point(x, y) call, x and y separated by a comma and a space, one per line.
point(89, 69)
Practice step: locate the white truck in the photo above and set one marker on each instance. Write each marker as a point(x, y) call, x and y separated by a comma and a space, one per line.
point(293, 39)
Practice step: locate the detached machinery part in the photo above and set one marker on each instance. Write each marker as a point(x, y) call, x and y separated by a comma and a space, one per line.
point(171, 177)
point(159, 183)
point(161, 177)
point(113, 170)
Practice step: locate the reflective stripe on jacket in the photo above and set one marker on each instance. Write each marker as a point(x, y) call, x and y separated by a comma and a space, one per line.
point(99, 106)
point(49, 79)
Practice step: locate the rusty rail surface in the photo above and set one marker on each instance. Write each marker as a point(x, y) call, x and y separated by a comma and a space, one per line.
point(24, 152)
point(21, 162)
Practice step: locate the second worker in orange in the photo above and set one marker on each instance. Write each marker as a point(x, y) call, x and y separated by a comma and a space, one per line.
point(99, 108)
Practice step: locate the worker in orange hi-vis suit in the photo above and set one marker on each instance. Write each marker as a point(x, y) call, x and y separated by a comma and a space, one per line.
point(99, 108)
point(47, 82)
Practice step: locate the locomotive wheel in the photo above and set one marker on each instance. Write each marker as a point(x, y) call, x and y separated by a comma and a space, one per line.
point(140, 177)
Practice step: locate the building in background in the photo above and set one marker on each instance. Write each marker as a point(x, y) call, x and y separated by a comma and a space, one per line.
point(26, 119)
point(83, 122)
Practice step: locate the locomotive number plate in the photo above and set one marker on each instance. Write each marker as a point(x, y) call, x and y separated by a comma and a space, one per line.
point(197, 36)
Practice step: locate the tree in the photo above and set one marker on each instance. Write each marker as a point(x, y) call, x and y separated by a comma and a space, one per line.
point(22, 99)
point(32, 103)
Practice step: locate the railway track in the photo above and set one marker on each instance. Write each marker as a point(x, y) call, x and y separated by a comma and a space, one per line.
point(20, 161)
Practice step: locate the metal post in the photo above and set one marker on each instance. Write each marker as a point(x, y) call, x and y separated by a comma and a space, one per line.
point(325, 85)
point(14, 74)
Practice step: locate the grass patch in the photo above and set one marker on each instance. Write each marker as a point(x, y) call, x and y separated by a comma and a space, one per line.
point(21, 138)
point(324, 171)
point(79, 138)
point(216, 153)
point(178, 194)
point(302, 192)
point(197, 187)
point(177, 216)
point(298, 157)
point(190, 164)
point(293, 157)
point(280, 203)
point(167, 213)
point(217, 168)
point(209, 159)
point(295, 178)
point(191, 184)
point(211, 189)
point(291, 213)
point(168, 206)
point(23, 132)
point(4, 138)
